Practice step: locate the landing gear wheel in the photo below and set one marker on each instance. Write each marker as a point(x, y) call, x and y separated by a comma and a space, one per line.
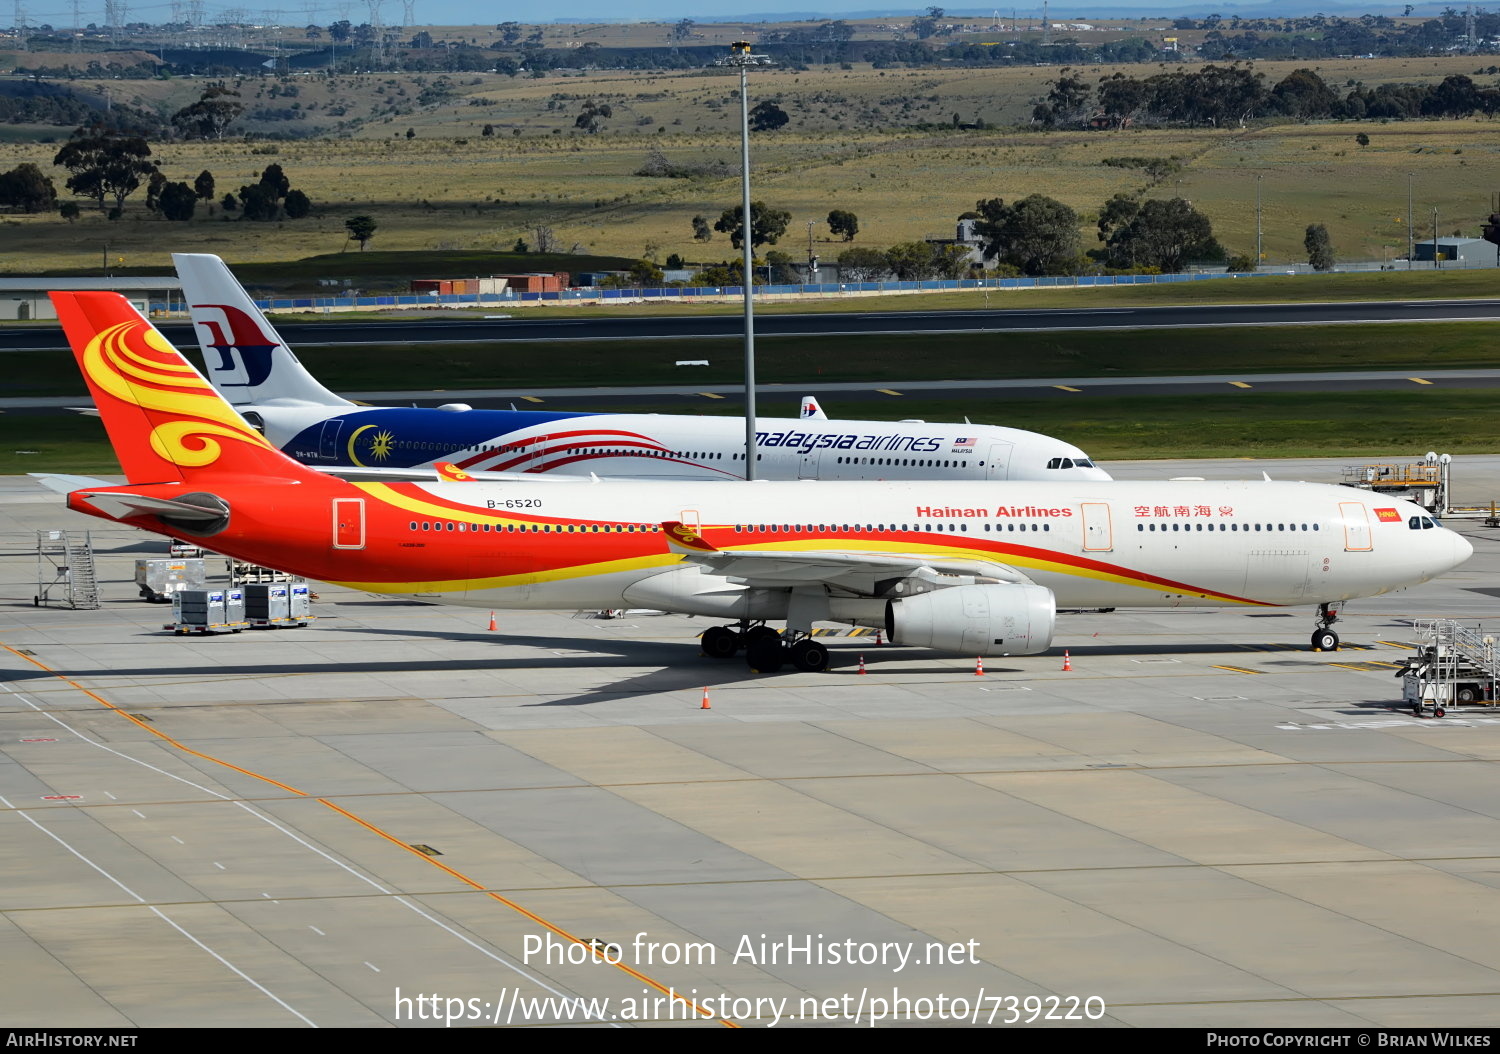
point(1325, 640)
point(809, 655)
point(755, 633)
point(765, 654)
point(719, 642)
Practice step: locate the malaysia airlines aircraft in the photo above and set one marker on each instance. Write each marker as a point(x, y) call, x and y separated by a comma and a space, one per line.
point(251, 365)
point(968, 567)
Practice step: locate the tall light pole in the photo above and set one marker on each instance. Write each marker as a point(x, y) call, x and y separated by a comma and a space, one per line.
point(1258, 254)
point(740, 56)
point(1435, 264)
point(1411, 232)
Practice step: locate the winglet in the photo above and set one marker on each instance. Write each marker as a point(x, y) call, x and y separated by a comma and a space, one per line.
point(447, 470)
point(684, 541)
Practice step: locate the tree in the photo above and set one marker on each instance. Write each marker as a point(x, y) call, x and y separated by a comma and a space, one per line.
point(487, 131)
point(258, 203)
point(767, 117)
point(297, 205)
point(543, 238)
point(229, 204)
point(1319, 247)
point(843, 223)
point(177, 201)
point(1240, 263)
point(910, 261)
point(361, 229)
point(1037, 235)
point(520, 246)
point(1164, 235)
point(592, 114)
point(203, 186)
point(767, 225)
point(646, 275)
point(104, 164)
point(154, 187)
point(25, 188)
point(1362, 139)
point(701, 231)
point(863, 265)
point(208, 118)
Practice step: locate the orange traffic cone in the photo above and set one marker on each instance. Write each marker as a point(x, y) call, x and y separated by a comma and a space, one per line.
point(492, 621)
point(861, 666)
point(879, 639)
point(979, 666)
point(705, 705)
point(1067, 661)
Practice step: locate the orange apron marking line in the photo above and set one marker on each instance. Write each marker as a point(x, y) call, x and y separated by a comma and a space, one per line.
point(460, 876)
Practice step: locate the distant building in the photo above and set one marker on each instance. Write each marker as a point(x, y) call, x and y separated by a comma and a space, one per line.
point(1460, 252)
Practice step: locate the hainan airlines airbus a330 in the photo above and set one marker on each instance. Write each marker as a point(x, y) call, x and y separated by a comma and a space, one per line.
point(250, 364)
point(968, 567)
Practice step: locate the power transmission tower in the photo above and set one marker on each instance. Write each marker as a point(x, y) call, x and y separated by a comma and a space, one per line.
point(378, 52)
point(20, 26)
point(409, 13)
point(114, 18)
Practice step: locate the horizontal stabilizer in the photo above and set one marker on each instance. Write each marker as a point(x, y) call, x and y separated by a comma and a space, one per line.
point(121, 504)
point(65, 484)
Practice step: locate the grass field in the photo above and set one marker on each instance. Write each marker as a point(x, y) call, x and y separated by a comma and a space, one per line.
point(854, 143)
point(1354, 425)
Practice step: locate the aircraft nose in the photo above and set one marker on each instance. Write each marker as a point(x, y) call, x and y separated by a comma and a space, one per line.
point(1462, 548)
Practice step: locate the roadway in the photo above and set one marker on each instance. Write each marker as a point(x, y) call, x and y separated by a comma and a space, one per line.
point(780, 399)
point(843, 323)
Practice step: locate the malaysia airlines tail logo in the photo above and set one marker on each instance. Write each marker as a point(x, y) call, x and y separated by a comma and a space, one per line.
point(243, 335)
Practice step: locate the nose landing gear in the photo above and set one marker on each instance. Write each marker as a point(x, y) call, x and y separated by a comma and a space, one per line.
point(1324, 638)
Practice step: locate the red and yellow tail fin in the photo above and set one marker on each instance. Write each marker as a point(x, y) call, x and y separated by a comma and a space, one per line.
point(166, 423)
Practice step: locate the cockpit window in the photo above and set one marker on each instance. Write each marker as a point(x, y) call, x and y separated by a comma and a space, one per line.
point(1421, 523)
point(1060, 462)
point(1083, 462)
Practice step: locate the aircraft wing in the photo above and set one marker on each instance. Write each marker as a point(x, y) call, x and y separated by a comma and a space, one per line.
point(432, 474)
point(857, 570)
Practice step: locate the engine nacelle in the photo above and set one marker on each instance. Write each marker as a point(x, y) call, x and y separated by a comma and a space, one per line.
point(976, 620)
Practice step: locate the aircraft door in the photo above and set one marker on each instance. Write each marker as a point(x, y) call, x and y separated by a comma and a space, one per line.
point(1356, 527)
point(328, 442)
point(808, 469)
point(1098, 533)
point(997, 461)
point(348, 523)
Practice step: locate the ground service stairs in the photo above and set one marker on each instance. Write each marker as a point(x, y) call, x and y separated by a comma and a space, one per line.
point(65, 570)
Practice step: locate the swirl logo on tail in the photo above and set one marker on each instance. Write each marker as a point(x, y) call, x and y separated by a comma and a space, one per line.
point(163, 418)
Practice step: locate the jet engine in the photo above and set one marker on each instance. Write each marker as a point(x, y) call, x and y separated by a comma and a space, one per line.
point(1012, 619)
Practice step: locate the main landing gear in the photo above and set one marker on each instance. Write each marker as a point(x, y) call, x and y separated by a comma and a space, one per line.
point(1323, 638)
point(766, 651)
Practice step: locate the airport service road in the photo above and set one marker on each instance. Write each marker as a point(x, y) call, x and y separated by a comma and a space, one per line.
point(783, 399)
point(1200, 824)
point(664, 327)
